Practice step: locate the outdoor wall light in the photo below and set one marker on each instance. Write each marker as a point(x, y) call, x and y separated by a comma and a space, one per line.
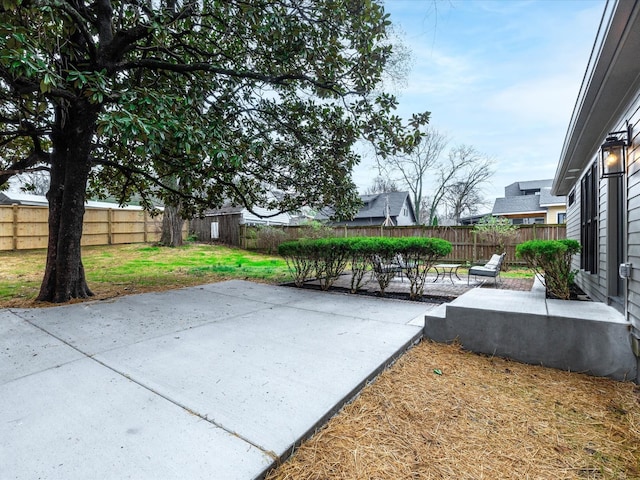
point(613, 152)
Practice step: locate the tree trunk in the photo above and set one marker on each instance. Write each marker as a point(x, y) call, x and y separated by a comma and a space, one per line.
point(64, 276)
point(172, 224)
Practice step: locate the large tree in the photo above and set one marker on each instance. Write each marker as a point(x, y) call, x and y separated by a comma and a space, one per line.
point(233, 98)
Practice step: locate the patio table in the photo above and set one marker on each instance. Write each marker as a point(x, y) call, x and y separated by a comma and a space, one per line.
point(442, 269)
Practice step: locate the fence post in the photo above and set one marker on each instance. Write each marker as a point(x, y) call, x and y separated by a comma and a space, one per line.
point(15, 226)
point(474, 253)
point(145, 226)
point(110, 226)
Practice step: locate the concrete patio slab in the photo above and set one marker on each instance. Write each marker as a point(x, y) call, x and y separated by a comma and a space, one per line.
point(83, 420)
point(274, 383)
point(26, 350)
point(98, 326)
point(206, 382)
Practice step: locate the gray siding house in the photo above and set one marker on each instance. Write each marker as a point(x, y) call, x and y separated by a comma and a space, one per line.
point(603, 213)
point(392, 209)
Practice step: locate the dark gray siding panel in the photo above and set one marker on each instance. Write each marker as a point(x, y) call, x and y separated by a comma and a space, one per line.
point(633, 212)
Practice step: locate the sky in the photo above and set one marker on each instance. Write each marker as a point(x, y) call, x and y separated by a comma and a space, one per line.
point(502, 76)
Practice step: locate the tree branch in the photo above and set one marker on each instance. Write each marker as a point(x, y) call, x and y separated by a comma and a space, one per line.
point(24, 165)
point(154, 64)
point(80, 23)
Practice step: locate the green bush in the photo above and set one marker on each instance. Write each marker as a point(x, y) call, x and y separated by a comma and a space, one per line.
point(300, 256)
point(551, 260)
point(324, 258)
point(380, 253)
point(332, 255)
point(361, 249)
point(385, 257)
point(418, 255)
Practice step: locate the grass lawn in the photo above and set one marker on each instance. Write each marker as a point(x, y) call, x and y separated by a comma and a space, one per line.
point(123, 269)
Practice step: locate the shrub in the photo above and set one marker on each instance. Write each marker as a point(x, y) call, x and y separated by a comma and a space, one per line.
point(300, 258)
point(551, 260)
point(268, 237)
point(416, 256)
point(332, 255)
point(496, 231)
point(328, 257)
point(313, 229)
point(360, 248)
point(381, 254)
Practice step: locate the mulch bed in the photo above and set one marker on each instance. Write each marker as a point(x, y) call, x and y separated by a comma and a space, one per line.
point(442, 412)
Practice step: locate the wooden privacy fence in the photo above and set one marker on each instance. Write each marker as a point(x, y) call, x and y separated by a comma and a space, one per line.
point(467, 246)
point(24, 227)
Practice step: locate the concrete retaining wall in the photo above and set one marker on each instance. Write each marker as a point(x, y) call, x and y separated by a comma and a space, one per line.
point(579, 336)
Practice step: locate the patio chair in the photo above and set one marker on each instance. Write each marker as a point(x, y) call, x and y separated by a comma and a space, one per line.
point(403, 264)
point(386, 268)
point(489, 269)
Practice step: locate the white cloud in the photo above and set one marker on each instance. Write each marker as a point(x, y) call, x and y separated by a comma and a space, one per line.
point(500, 75)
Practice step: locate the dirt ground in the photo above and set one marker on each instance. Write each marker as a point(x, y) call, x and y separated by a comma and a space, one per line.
point(443, 413)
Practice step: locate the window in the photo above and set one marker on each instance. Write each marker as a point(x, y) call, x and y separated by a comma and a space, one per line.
point(572, 197)
point(528, 221)
point(589, 220)
point(562, 217)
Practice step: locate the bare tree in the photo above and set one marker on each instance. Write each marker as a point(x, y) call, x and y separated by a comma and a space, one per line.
point(457, 204)
point(382, 185)
point(464, 193)
point(413, 167)
point(35, 182)
point(464, 164)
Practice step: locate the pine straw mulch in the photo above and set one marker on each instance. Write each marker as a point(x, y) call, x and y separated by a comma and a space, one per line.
point(442, 412)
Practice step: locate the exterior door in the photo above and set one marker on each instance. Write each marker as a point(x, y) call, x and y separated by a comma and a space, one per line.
point(616, 245)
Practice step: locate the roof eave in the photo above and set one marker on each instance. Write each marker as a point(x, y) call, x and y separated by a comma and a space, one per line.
point(612, 76)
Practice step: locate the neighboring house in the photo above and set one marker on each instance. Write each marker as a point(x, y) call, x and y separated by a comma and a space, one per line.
point(28, 199)
point(11, 198)
point(603, 213)
point(473, 219)
point(259, 215)
point(530, 202)
point(392, 209)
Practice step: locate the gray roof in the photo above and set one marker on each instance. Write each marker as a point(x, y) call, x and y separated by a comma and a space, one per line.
point(28, 199)
point(226, 209)
point(535, 184)
point(9, 198)
point(519, 204)
point(548, 200)
point(519, 188)
point(373, 211)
